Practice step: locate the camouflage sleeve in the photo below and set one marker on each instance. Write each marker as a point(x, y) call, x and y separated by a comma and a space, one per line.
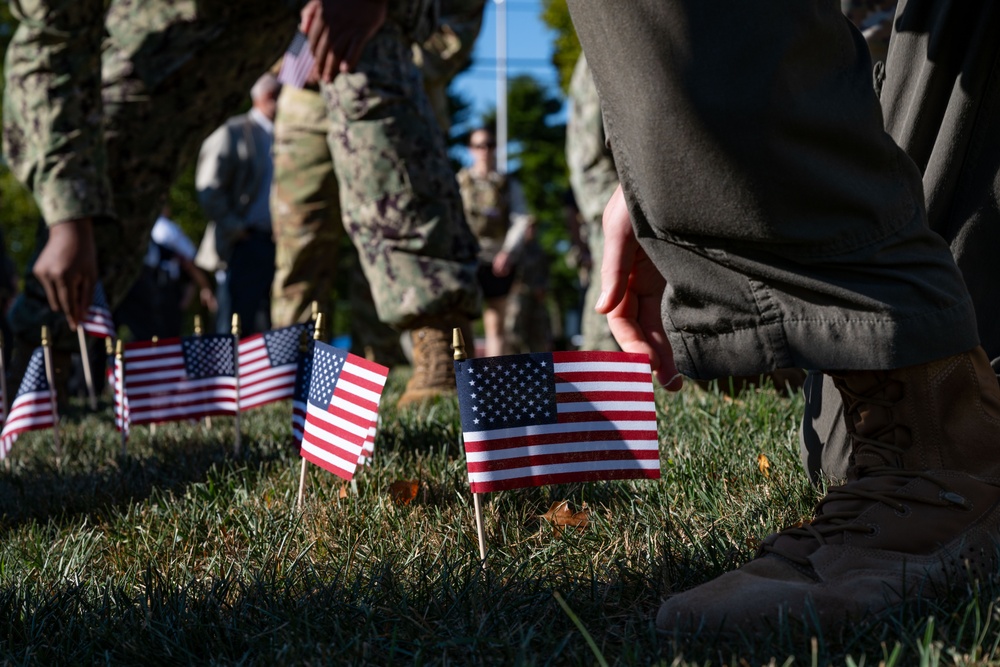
point(52, 135)
point(592, 170)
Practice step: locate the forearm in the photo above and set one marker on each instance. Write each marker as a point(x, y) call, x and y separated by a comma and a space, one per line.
point(53, 130)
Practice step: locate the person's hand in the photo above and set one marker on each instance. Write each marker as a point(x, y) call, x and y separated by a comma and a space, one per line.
point(338, 34)
point(67, 268)
point(208, 299)
point(502, 264)
point(631, 293)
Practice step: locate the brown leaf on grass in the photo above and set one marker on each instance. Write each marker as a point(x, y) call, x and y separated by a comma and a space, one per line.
point(404, 491)
point(562, 514)
point(343, 491)
point(764, 464)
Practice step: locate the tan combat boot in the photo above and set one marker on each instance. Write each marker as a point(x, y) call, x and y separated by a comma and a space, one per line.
point(919, 513)
point(433, 361)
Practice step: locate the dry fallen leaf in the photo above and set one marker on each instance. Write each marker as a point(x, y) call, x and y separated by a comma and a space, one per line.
point(561, 514)
point(343, 490)
point(764, 464)
point(404, 491)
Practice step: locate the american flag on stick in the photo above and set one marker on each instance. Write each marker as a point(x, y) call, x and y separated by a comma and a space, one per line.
point(268, 362)
point(32, 408)
point(297, 63)
point(97, 321)
point(341, 408)
point(180, 378)
point(555, 418)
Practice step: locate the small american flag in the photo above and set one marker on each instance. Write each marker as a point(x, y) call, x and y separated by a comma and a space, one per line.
point(268, 362)
point(116, 377)
point(180, 378)
point(342, 405)
point(297, 63)
point(555, 418)
point(97, 321)
point(32, 408)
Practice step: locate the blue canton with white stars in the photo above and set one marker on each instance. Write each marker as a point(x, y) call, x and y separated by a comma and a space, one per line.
point(506, 392)
point(209, 356)
point(282, 345)
point(100, 301)
point(34, 377)
point(302, 376)
point(328, 361)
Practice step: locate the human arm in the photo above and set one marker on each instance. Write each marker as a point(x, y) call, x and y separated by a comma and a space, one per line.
point(338, 34)
point(632, 293)
point(513, 241)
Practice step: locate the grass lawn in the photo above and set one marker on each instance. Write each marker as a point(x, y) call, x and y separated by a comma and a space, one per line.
point(180, 552)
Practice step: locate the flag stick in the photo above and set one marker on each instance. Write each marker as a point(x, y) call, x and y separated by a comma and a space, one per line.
point(236, 359)
point(47, 355)
point(302, 483)
point(85, 362)
point(152, 427)
point(198, 332)
point(458, 343)
point(120, 358)
point(3, 382)
point(317, 334)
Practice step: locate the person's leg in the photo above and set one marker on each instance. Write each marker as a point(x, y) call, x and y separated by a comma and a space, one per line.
point(941, 100)
point(401, 206)
point(793, 234)
point(493, 325)
point(250, 275)
point(305, 208)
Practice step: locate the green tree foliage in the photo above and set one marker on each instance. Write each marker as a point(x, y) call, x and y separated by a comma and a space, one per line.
point(567, 46)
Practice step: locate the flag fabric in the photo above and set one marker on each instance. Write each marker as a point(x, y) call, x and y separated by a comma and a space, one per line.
point(32, 407)
point(180, 378)
point(117, 380)
point(297, 62)
point(300, 397)
point(97, 320)
point(555, 418)
point(268, 362)
point(341, 407)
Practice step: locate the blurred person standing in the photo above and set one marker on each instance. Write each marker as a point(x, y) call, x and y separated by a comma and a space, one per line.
point(105, 102)
point(234, 184)
point(497, 213)
point(528, 322)
point(156, 303)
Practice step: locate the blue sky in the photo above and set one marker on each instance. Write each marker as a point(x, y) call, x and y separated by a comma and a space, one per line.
point(529, 51)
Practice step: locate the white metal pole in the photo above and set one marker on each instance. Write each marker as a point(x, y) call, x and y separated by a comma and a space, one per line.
point(501, 6)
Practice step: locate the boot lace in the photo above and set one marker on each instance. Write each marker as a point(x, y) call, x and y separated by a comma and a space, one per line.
point(827, 525)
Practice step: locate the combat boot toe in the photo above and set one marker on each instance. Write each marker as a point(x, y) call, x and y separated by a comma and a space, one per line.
point(918, 516)
point(433, 362)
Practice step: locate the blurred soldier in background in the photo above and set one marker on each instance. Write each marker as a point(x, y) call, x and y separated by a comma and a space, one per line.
point(593, 178)
point(305, 198)
point(398, 195)
point(104, 104)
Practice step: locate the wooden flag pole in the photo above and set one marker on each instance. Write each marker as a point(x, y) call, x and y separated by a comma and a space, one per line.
point(197, 332)
point(152, 427)
point(236, 359)
point(47, 355)
point(120, 358)
point(85, 360)
point(317, 335)
point(3, 381)
point(458, 343)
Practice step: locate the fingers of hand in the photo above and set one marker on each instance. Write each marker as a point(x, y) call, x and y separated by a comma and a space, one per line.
point(620, 246)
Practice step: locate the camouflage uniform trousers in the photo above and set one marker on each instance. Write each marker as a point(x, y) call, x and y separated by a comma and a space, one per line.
point(594, 179)
point(102, 130)
point(399, 198)
point(308, 232)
